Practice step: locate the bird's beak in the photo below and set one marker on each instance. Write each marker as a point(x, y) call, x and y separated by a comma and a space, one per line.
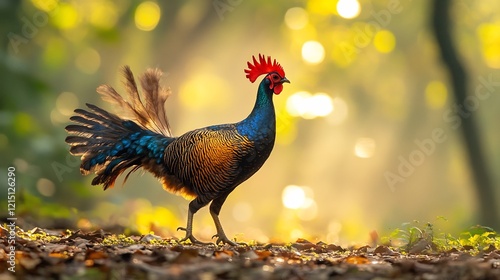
point(285, 80)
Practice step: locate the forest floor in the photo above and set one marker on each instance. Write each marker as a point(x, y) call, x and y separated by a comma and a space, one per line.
point(56, 254)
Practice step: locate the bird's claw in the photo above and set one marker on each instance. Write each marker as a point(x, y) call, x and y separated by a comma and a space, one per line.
point(223, 238)
point(190, 237)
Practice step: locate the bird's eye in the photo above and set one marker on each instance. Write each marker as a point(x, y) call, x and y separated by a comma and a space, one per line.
point(275, 77)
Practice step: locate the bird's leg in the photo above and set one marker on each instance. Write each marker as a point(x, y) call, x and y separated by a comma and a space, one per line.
point(221, 236)
point(214, 211)
point(189, 228)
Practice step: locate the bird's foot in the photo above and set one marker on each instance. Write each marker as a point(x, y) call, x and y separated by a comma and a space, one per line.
point(190, 237)
point(223, 238)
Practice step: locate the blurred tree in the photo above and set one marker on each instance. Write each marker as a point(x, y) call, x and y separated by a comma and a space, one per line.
point(442, 27)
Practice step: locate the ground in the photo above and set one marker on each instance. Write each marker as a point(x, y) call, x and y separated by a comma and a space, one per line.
point(56, 254)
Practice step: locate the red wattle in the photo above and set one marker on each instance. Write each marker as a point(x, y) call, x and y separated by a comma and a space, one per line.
point(278, 89)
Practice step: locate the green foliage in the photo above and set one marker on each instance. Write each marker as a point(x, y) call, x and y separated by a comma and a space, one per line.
point(477, 238)
point(37, 208)
point(163, 242)
point(120, 239)
point(409, 235)
point(38, 235)
point(123, 239)
point(415, 238)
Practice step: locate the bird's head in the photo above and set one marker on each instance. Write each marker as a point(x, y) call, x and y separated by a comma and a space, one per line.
point(275, 75)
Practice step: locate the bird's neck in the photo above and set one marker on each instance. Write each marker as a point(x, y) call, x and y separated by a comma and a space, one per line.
point(263, 107)
point(262, 119)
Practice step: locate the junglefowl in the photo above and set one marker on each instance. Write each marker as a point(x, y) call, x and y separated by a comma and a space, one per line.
point(205, 164)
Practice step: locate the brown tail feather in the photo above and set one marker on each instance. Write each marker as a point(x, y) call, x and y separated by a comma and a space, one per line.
point(146, 108)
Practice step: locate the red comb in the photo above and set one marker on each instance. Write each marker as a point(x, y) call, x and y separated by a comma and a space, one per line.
point(263, 66)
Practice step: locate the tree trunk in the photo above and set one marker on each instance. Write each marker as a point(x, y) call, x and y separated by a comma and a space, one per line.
point(485, 193)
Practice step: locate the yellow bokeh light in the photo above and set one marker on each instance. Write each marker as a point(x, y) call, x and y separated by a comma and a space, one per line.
point(193, 93)
point(88, 61)
point(300, 199)
point(321, 104)
point(491, 56)
point(147, 15)
point(294, 235)
point(45, 187)
point(146, 219)
point(103, 14)
point(339, 112)
point(384, 41)
point(321, 7)
point(296, 18)
point(308, 106)
point(66, 102)
point(313, 52)
point(45, 5)
point(489, 35)
point(285, 128)
point(364, 147)
point(66, 17)
point(84, 224)
point(293, 197)
point(436, 94)
point(296, 103)
point(348, 8)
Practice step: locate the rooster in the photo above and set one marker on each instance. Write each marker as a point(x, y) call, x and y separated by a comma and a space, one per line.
point(204, 164)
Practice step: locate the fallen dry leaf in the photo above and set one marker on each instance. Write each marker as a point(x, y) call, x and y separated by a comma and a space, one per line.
point(84, 256)
point(93, 255)
point(357, 260)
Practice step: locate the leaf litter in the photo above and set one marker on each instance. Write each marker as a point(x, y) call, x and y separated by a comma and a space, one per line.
point(53, 254)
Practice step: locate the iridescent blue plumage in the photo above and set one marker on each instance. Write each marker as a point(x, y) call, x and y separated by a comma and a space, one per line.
point(205, 164)
point(261, 122)
point(113, 145)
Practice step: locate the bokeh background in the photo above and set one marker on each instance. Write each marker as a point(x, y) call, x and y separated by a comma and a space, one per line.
point(355, 151)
